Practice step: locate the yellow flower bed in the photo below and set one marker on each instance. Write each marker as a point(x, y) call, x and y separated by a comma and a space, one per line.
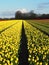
point(38, 45)
point(9, 44)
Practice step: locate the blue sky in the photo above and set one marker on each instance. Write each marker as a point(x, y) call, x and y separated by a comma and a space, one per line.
point(39, 6)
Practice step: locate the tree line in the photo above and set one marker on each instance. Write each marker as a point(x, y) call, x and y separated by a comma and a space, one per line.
point(30, 15)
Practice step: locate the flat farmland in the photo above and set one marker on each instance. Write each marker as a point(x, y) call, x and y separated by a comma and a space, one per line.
point(42, 25)
point(24, 42)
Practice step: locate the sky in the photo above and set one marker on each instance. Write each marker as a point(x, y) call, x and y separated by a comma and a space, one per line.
point(9, 7)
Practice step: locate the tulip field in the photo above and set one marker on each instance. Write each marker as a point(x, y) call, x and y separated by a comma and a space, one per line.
point(37, 34)
point(38, 46)
point(9, 43)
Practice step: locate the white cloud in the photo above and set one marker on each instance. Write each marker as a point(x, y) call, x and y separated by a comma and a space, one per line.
point(7, 14)
point(23, 10)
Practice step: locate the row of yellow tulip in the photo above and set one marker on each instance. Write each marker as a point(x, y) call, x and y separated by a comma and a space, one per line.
point(5, 24)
